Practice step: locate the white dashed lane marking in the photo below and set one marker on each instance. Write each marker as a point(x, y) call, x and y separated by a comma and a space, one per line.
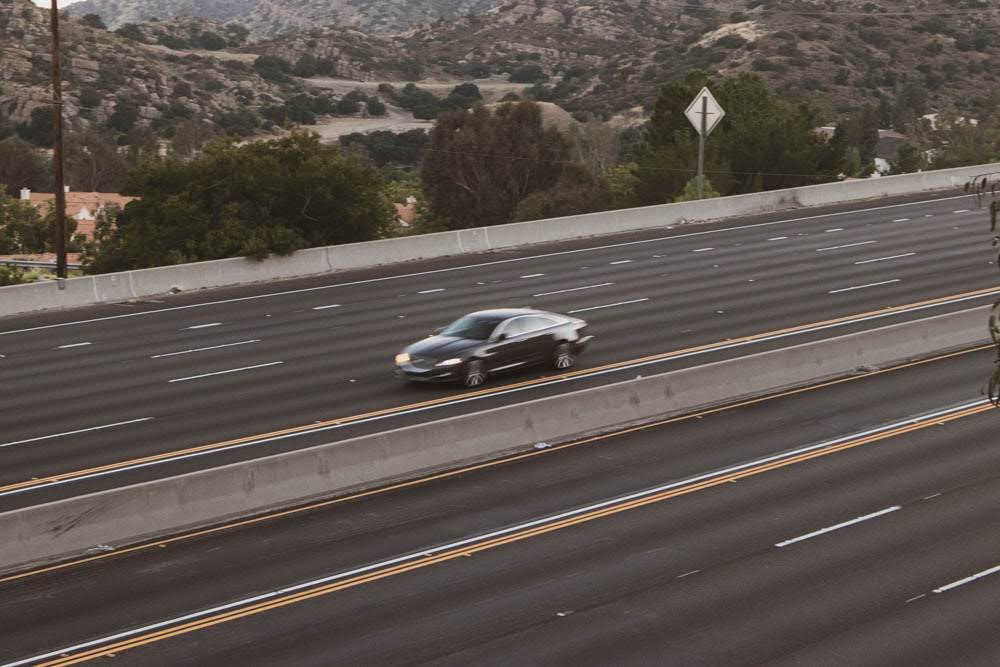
point(332, 305)
point(573, 289)
point(609, 305)
point(857, 287)
point(66, 347)
point(886, 259)
point(204, 349)
point(849, 245)
point(226, 372)
point(205, 326)
point(431, 291)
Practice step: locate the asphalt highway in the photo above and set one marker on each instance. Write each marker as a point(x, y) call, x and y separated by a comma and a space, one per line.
point(111, 395)
point(849, 523)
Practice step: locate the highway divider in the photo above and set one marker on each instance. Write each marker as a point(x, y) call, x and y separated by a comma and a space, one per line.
point(130, 285)
point(117, 517)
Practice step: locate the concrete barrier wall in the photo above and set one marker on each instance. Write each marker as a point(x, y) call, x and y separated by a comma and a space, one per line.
point(236, 271)
point(117, 517)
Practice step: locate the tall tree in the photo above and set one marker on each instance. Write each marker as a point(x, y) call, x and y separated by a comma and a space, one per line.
point(481, 164)
point(763, 142)
point(22, 166)
point(265, 197)
point(94, 162)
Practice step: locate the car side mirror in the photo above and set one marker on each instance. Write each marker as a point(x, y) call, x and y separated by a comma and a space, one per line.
point(437, 331)
point(501, 336)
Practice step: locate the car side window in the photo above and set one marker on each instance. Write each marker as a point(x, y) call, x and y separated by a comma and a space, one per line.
point(515, 327)
point(536, 322)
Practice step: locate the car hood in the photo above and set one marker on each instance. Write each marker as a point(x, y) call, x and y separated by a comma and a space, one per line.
point(442, 347)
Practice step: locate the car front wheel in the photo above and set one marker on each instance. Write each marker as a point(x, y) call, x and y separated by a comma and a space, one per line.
point(475, 373)
point(563, 357)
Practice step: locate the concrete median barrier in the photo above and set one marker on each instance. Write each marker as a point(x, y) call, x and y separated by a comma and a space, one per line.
point(227, 272)
point(120, 516)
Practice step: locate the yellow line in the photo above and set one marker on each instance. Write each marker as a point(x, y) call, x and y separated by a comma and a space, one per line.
point(39, 481)
point(494, 543)
point(473, 468)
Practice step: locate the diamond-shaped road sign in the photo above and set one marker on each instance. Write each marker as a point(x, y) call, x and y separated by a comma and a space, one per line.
point(704, 103)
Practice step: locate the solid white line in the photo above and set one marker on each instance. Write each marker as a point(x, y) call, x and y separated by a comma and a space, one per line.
point(778, 238)
point(533, 275)
point(823, 531)
point(610, 305)
point(82, 430)
point(901, 220)
point(332, 305)
point(837, 229)
point(573, 289)
point(688, 574)
point(849, 245)
point(205, 326)
point(431, 291)
point(66, 347)
point(621, 261)
point(851, 289)
point(962, 582)
point(478, 265)
point(885, 259)
point(204, 349)
point(703, 249)
point(232, 370)
point(514, 390)
point(430, 552)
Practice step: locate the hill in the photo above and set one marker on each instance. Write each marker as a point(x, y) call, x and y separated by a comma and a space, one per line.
point(126, 86)
point(267, 18)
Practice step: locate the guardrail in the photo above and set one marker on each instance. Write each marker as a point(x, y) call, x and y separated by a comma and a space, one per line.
point(31, 264)
point(117, 287)
point(129, 514)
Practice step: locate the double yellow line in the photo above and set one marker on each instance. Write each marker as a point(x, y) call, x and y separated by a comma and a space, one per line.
point(482, 393)
point(464, 551)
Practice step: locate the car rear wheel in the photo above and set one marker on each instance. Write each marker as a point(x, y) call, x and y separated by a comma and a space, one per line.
point(475, 373)
point(562, 357)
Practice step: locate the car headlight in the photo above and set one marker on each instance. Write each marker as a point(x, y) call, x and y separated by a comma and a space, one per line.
point(449, 362)
point(402, 358)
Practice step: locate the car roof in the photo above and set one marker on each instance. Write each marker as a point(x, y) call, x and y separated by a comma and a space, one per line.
point(507, 313)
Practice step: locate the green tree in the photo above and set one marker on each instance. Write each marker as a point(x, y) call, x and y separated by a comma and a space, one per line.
point(577, 191)
point(482, 164)
point(531, 73)
point(763, 142)
point(253, 200)
point(909, 159)
point(38, 129)
point(93, 162)
point(22, 229)
point(94, 21)
point(690, 192)
point(22, 166)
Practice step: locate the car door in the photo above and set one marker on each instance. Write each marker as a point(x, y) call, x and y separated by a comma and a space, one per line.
point(538, 338)
point(509, 349)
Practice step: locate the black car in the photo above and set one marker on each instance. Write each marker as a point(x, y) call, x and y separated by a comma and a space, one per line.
point(493, 341)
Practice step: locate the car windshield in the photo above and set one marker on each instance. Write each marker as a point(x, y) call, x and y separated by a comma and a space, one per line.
point(475, 328)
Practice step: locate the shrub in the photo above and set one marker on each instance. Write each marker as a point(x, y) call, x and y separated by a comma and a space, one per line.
point(528, 74)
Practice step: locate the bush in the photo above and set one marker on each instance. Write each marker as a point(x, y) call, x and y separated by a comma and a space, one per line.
point(90, 97)
point(94, 21)
point(376, 107)
point(211, 41)
point(131, 31)
point(272, 68)
point(306, 66)
point(528, 74)
point(183, 89)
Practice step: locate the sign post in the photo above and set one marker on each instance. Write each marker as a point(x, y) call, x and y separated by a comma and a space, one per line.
point(704, 112)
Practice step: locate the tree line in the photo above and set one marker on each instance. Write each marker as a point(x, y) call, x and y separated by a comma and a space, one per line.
point(479, 165)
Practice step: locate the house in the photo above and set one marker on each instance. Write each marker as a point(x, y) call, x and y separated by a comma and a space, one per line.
point(84, 207)
point(406, 214)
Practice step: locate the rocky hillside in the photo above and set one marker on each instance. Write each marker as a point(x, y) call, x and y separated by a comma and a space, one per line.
point(267, 18)
point(611, 55)
point(121, 84)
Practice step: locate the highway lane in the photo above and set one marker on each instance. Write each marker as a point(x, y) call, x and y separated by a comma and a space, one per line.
point(847, 520)
point(95, 393)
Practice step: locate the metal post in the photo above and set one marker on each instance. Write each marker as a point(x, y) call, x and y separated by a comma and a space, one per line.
point(701, 145)
point(57, 154)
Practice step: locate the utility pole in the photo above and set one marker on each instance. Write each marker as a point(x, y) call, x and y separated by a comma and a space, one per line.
point(57, 154)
